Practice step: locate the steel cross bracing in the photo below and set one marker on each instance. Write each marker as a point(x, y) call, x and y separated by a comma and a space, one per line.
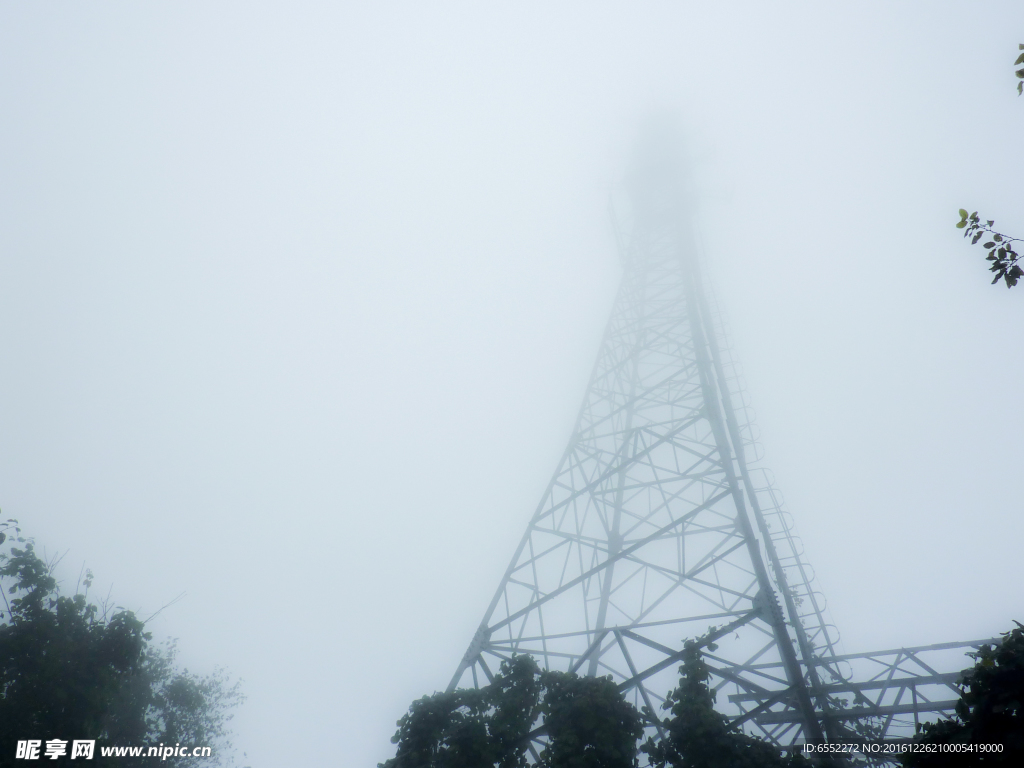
point(896, 689)
point(654, 529)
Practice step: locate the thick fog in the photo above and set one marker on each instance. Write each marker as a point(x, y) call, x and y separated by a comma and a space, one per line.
point(298, 302)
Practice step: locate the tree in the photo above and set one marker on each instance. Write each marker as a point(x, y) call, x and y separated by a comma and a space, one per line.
point(990, 711)
point(699, 737)
point(72, 670)
point(469, 728)
point(1000, 251)
point(587, 722)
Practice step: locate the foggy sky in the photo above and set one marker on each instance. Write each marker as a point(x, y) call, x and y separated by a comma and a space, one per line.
point(298, 302)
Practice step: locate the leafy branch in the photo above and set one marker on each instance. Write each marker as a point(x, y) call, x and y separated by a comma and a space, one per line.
point(1000, 249)
point(1020, 72)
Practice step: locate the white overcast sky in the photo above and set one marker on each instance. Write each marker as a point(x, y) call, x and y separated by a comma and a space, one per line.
point(298, 301)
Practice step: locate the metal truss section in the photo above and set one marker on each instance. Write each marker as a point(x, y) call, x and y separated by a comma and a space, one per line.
point(895, 690)
point(654, 529)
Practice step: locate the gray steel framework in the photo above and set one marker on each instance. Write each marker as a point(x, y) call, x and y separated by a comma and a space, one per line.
point(655, 529)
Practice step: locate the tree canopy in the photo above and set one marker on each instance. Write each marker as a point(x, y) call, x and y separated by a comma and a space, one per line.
point(587, 722)
point(70, 670)
point(696, 736)
point(990, 711)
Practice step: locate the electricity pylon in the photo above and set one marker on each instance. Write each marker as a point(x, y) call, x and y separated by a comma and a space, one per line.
point(655, 528)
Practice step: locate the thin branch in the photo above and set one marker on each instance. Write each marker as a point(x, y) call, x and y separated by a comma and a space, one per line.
point(105, 605)
point(167, 605)
point(54, 561)
point(79, 582)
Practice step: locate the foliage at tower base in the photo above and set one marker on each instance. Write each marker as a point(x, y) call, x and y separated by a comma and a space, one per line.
point(68, 672)
point(699, 737)
point(990, 712)
point(586, 721)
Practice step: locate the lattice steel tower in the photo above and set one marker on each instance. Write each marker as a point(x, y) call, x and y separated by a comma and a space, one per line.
point(655, 528)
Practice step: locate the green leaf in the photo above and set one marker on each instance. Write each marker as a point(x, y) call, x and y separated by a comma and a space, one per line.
point(998, 238)
point(1020, 60)
point(989, 244)
point(963, 214)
